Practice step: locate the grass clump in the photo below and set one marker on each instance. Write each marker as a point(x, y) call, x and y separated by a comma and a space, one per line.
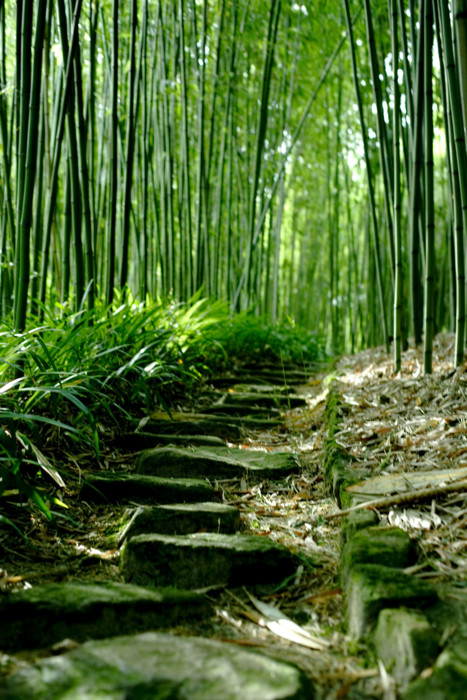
point(75, 376)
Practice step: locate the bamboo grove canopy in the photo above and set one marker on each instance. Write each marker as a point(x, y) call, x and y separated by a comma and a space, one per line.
point(303, 160)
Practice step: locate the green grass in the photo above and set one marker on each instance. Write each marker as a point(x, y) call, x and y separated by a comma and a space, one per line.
point(63, 382)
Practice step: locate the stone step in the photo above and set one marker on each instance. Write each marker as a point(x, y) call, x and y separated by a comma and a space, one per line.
point(155, 665)
point(372, 587)
point(46, 614)
point(227, 408)
point(205, 559)
point(117, 487)
point(268, 377)
point(227, 427)
point(182, 519)
point(265, 400)
point(143, 440)
point(276, 366)
point(217, 463)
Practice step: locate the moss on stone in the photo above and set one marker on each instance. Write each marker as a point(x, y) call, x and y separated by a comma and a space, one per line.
point(448, 680)
point(205, 559)
point(406, 642)
point(356, 521)
point(45, 614)
point(372, 587)
point(377, 545)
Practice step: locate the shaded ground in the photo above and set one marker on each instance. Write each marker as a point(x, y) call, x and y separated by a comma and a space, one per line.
point(390, 425)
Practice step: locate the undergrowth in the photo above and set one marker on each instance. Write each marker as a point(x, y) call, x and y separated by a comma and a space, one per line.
point(63, 380)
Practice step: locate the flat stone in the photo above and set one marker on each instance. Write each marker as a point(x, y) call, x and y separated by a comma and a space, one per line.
point(372, 587)
point(232, 380)
point(156, 666)
point(205, 559)
point(254, 388)
point(46, 614)
point(227, 427)
point(355, 521)
point(118, 487)
point(406, 643)
point(265, 400)
point(216, 463)
point(182, 519)
point(448, 681)
point(208, 425)
point(143, 440)
point(248, 411)
point(389, 546)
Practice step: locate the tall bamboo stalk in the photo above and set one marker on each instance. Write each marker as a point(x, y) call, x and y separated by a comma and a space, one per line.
point(397, 191)
point(28, 135)
point(371, 193)
point(428, 320)
point(113, 159)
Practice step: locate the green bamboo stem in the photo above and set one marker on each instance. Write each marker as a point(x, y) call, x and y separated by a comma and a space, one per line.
point(129, 146)
point(381, 128)
point(30, 102)
point(397, 192)
point(113, 159)
point(428, 318)
point(371, 193)
point(458, 147)
point(460, 22)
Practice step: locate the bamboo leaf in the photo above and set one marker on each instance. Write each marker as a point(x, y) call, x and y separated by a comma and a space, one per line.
point(284, 627)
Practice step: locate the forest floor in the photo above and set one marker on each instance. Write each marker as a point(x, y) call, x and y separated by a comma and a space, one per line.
point(391, 426)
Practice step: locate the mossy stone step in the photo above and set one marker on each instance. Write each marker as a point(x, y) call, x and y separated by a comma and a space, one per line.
point(372, 587)
point(117, 487)
point(216, 462)
point(247, 411)
point(265, 400)
point(144, 440)
point(158, 666)
point(406, 643)
point(389, 546)
point(46, 614)
point(205, 559)
point(182, 519)
point(448, 680)
point(225, 427)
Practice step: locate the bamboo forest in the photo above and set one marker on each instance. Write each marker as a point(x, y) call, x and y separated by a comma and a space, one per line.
point(233, 387)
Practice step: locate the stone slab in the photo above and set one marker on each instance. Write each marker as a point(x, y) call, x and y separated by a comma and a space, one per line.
point(208, 425)
point(355, 521)
point(390, 484)
point(117, 487)
point(389, 546)
point(143, 440)
point(248, 411)
point(448, 681)
point(254, 388)
point(266, 400)
point(372, 587)
point(217, 463)
point(182, 519)
point(46, 614)
point(156, 666)
point(226, 426)
point(405, 642)
point(204, 559)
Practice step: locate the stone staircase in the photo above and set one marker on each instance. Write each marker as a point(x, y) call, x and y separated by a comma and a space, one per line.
point(179, 539)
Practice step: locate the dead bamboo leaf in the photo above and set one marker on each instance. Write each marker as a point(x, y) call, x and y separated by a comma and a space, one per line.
point(284, 627)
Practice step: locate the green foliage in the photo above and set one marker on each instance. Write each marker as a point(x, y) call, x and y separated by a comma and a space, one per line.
point(61, 380)
point(249, 337)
